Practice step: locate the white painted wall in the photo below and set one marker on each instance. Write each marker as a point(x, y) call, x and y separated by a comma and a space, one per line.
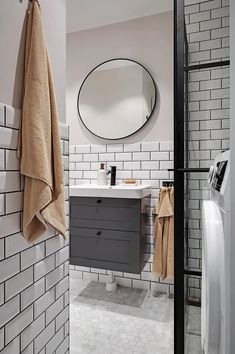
point(12, 15)
point(232, 143)
point(148, 40)
point(106, 12)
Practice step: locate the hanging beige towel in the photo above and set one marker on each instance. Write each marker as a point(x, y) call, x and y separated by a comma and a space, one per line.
point(158, 226)
point(170, 250)
point(39, 141)
point(162, 266)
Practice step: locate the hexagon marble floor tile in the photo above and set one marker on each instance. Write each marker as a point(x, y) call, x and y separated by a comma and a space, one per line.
point(98, 326)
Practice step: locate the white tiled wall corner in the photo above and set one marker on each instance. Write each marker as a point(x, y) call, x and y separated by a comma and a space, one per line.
point(32, 276)
point(208, 37)
point(147, 162)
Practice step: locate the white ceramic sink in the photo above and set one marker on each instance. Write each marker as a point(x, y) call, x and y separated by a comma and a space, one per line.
point(119, 191)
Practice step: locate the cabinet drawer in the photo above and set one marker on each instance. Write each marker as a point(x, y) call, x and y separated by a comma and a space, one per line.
point(105, 202)
point(108, 249)
point(106, 213)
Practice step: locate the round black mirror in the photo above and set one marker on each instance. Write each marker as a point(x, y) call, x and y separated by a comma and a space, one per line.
point(116, 99)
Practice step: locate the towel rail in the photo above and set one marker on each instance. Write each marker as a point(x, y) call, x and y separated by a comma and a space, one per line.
point(22, 1)
point(168, 183)
point(200, 169)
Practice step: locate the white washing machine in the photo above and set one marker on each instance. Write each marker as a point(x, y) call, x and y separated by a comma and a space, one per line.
point(215, 317)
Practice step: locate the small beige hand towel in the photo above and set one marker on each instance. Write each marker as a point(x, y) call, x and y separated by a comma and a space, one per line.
point(39, 139)
point(159, 228)
point(170, 250)
point(163, 263)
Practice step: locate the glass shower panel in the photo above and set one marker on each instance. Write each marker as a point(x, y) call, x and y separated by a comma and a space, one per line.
point(201, 132)
point(206, 135)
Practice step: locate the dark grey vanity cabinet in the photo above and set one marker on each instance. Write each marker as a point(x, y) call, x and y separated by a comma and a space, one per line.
point(107, 233)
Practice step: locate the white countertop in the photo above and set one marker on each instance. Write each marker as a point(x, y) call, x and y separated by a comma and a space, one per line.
point(119, 191)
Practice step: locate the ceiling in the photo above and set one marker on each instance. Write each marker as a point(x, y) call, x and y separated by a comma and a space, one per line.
point(86, 14)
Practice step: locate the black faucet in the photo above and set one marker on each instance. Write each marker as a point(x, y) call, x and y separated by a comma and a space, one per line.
point(112, 171)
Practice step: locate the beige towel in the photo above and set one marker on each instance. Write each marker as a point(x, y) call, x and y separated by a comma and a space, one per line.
point(158, 226)
point(170, 250)
point(163, 260)
point(39, 140)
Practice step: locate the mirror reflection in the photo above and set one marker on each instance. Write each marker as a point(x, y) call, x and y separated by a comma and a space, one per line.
point(116, 99)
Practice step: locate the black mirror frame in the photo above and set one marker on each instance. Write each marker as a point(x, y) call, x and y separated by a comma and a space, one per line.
point(154, 105)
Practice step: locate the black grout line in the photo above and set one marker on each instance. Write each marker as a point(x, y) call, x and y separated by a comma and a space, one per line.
point(44, 312)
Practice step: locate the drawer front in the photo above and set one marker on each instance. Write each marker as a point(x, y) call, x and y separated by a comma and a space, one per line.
point(108, 249)
point(106, 213)
point(106, 202)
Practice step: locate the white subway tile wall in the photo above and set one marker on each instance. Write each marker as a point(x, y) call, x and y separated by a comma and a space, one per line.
point(147, 162)
point(34, 314)
point(207, 24)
